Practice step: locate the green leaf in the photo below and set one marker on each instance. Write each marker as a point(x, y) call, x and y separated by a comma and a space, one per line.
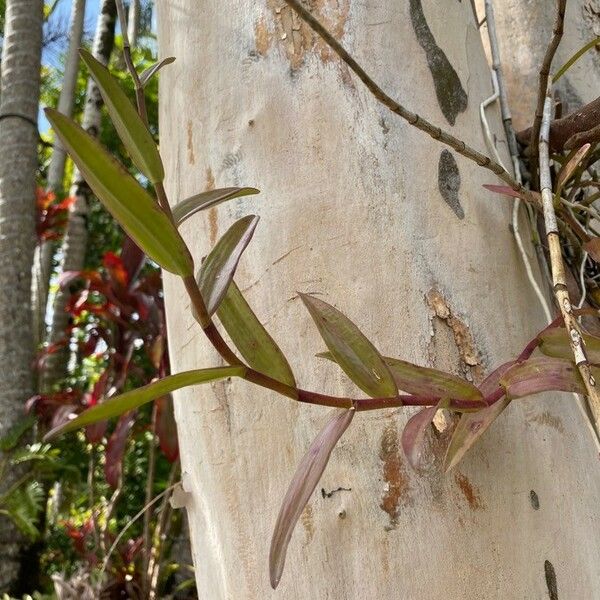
point(218, 269)
point(186, 208)
point(127, 121)
point(117, 405)
point(253, 341)
point(147, 75)
point(423, 381)
point(555, 342)
point(353, 352)
point(11, 438)
point(472, 426)
point(23, 506)
point(124, 197)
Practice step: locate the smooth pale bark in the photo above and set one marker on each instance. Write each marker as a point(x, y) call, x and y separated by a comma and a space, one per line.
point(75, 238)
point(524, 30)
point(56, 169)
point(133, 21)
point(19, 93)
point(351, 209)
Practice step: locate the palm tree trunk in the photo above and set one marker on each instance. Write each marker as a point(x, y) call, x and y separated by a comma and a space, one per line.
point(19, 97)
point(75, 238)
point(56, 170)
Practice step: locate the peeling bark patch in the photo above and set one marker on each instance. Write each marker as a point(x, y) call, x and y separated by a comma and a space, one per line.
point(394, 475)
point(262, 37)
point(535, 501)
point(307, 522)
point(449, 182)
point(470, 361)
point(451, 96)
point(549, 420)
point(297, 38)
point(550, 575)
point(470, 494)
point(190, 144)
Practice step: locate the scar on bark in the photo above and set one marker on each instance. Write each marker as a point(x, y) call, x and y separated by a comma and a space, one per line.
point(450, 93)
point(394, 474)
point(469, 492)
point(296, 37)
point(469, 357)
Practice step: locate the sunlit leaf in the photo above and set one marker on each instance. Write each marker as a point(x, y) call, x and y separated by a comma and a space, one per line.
point(117, 405)
point(218, 269)
point(472, 426)
point(302, 486)
point(129, 125)
point(124, 197)
point(567, 170)
point(555, 342)
point(351, 350)
point(147, 75)
point(542, 375)
point(414, 432)
point(190, 206)
point(253, 341)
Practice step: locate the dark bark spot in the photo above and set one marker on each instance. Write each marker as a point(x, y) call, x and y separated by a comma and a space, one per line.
point(449, 182)
point(535, 501)
point(451, 96)
point(550, 574)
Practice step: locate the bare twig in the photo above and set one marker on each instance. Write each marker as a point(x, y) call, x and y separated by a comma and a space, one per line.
point(149, 492)
point(558, 270)
point(543, 83)
point(412, 118)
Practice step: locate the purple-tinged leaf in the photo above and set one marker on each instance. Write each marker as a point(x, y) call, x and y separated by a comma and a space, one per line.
point(504, 190)
point(115, 449)
point(302, 486)
point(166, 428)
point(542, 375)
point(253, 341)
point(351, 350)
point(414, 432)
point(117, 405)
point(423, 381)
point(218, 269)
point(190, 206)
point(555, 342)
point(472, 426)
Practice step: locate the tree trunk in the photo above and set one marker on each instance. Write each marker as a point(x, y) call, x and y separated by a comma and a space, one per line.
point(75, 238)
point(56, 170)
point(523, 48)
point(19, 93)
point(397, 232)
point(133, 22)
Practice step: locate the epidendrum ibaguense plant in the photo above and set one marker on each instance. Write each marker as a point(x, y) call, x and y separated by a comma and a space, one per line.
point(566, 361)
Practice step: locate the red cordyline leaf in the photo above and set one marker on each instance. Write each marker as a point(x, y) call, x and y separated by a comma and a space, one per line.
point(303, 484)
point(132, 258)
point(166, 428)
point(115, 268)
point(414, 432)
point(115, 449)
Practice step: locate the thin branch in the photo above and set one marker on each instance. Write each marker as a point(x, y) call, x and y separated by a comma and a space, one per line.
point(557, 34)
point(558, 269)
point(412, 118)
